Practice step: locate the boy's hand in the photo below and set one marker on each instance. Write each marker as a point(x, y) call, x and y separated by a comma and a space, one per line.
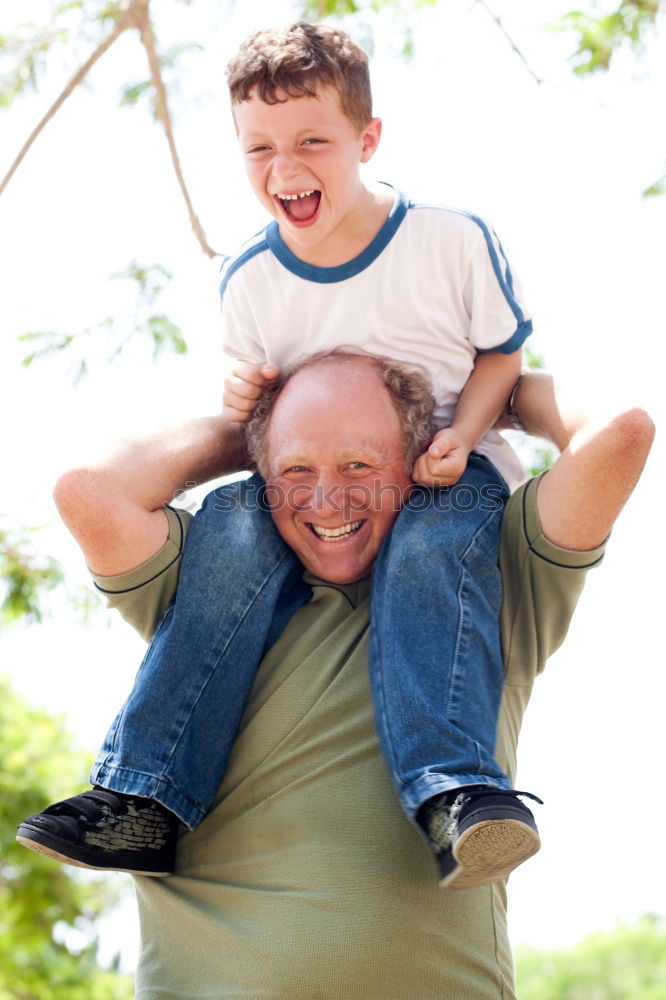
point(445, 460)
point(243, 388)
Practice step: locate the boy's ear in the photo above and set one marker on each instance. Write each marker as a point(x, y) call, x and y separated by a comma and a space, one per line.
point(370, 135)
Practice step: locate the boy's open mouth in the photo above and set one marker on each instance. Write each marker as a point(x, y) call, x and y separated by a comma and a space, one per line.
point(300, 207)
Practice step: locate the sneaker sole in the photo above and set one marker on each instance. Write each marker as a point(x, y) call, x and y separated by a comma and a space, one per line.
point(489, 851)
point(38, 843)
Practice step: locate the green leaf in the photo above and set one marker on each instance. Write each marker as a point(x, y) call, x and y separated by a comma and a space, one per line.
point(151, 279)
point(43, 903)
point(542, 459)
point(51, 342)
point(627, 963)
point(133, 93)
point(166, 336)
point(600, 37)
point(25, 577)
point(656, 189)
point(533, 359)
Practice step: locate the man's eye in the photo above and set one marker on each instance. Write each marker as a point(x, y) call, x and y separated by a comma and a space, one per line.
point(357, 465)
point(295, 469)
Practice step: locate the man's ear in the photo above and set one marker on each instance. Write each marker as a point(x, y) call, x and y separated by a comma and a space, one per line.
point(370, 136)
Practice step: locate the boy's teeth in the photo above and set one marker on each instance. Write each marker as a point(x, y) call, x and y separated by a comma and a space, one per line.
point(330, 533)
point(293, 197)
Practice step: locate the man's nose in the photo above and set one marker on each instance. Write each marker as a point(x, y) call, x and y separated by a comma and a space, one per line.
point(334, 496)
point(329, 497)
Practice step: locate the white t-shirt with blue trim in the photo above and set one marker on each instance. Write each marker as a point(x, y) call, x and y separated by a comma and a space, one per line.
point(432, 289)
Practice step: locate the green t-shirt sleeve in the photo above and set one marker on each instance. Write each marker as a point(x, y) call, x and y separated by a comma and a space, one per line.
point(541, 587)
point(542, 583)
point(143, 594)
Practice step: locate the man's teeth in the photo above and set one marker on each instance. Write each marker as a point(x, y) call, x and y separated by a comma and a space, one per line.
point(329, 534)
point(294, 197)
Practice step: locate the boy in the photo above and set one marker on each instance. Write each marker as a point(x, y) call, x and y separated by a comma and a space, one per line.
point(343, 264)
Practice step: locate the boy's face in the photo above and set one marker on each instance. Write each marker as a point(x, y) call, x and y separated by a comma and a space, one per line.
point(302, 158)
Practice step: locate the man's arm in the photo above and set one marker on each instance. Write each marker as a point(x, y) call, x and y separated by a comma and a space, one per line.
point(599, 464)
point(113, 506)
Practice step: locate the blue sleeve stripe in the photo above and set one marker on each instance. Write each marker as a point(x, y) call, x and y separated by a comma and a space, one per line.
point(509, 276)
point(231, 265)
point(513, 343)
point(505, 282)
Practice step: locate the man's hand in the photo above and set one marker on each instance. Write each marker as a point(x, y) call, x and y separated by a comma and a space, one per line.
point(243, 388)
point(445, 460)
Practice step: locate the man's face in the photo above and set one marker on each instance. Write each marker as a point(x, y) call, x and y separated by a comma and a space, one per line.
point(336, 468)
point(302, 159)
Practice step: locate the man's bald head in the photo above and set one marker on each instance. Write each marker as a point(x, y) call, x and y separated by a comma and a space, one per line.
point(408, 390)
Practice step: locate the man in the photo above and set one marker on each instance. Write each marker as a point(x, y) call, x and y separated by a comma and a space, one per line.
point(306, 880)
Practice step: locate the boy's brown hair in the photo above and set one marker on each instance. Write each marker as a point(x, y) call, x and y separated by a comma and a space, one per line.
point(298, 59)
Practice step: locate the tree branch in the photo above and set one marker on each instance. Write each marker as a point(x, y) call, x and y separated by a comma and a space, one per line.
point(126, 21)
point(163, 113)
point(498, 21)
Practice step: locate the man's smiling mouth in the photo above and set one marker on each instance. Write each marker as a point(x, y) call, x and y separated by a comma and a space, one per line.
point(300, 207)
point(335, 534)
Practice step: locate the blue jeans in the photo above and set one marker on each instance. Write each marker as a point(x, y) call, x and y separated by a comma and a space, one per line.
point(238, 586)
point(435, 658)
point(436, 663)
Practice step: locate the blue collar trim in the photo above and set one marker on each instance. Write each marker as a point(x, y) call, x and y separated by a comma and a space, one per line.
point(328, 275)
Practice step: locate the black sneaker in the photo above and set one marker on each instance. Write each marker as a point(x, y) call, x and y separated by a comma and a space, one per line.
point(106, 831)
point(481, 836)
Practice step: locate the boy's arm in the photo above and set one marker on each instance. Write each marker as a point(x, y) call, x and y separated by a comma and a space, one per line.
point(481, 401)
point(113, 506)
point(599, 465)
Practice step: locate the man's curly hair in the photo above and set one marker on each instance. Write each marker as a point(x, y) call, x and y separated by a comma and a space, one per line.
point(408, 388)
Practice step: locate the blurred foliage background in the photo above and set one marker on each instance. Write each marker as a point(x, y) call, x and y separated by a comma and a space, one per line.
point(49, 913)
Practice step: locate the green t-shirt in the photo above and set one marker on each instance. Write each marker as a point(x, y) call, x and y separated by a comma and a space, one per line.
point(306, 881)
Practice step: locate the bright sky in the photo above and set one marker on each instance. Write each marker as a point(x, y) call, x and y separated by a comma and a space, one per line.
point(558, 168)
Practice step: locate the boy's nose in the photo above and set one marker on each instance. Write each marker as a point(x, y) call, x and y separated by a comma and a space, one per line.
point(285, 166)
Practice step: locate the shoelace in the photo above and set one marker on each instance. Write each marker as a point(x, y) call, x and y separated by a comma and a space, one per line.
point(483, 791)
point(91, 805)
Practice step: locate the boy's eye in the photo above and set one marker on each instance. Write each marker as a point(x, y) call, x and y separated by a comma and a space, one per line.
point(256, 149)
point(313, 141)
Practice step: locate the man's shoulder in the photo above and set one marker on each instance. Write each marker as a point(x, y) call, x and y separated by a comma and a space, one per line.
point(541, 585)
point(522, 531)
point(142, 594)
